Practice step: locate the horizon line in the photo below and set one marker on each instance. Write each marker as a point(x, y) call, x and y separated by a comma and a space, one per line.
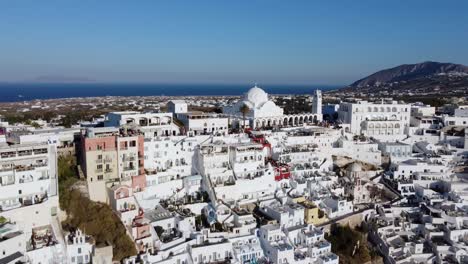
point(171, 83)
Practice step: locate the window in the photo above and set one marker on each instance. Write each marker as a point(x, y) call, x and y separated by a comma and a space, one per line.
point(100, 177)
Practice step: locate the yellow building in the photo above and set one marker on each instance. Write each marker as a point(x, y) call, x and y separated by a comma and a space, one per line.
point(313, 214)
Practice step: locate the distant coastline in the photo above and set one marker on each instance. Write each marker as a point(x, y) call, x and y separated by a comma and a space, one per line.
point(16, 92)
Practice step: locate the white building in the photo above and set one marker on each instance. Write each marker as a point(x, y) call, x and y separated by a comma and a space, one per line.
point(287, 215)
point(407, 169)
point(420, 109)
point(28, 184)
point(396, 150)
point(80, 248)
point(29, 200)
point(365, 151)
point(264, 113)
point(177, 107)
point(199, 123)
point(151, 124)
point(336, 207)
point(385, 121)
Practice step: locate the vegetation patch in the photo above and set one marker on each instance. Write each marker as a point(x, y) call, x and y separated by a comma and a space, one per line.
point(95, 219)
point(349, 244)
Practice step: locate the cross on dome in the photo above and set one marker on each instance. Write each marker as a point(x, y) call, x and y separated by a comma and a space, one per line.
point(256, 96)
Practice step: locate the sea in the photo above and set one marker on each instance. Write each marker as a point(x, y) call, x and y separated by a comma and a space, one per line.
point(15, 92)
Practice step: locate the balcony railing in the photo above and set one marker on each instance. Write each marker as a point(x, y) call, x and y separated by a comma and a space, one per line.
point(26, 180)
point(129, 168)
point(26, 201)
point(6, 169)
point(99, 170)
point(40, 151)
point(5, 183)
point(8, 155)
point(30, 167)
point(108, 170)
point(129, 158)
point(24, 153)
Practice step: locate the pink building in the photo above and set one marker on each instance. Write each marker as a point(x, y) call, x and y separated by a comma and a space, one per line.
point(112, 156)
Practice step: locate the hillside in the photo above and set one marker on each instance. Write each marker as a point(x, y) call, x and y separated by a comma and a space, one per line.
point(408, 72)
point(422, 78)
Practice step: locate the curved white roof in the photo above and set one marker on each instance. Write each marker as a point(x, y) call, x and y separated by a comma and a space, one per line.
point(256, 96)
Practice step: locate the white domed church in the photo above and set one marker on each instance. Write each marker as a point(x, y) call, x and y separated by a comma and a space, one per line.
point(261, 112)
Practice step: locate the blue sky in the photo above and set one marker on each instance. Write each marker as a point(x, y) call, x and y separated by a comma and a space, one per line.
point(277, 42)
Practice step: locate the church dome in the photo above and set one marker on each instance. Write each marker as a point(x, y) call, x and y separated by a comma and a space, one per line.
point(355, 167)
point(256, 96)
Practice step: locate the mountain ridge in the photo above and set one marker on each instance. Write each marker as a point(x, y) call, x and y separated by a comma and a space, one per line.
point(408, 72)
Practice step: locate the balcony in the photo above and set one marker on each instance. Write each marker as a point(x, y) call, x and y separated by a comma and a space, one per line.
point(129, 168)
point(25, 153)
point(26, 180)
point(6, 182)
point(41, 164)
point(108, 170)
point(40, 151)
point(25, 201)
point(127, 207)
point(27, 167)
point(8, 155)
point(11, 206)
point(99, 170)
point(42, 237)
point(3, 169)
point(129, 158)
point(107, 160)
point(24, 168)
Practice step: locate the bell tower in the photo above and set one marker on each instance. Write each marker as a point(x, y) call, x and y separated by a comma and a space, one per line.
point(317, 102)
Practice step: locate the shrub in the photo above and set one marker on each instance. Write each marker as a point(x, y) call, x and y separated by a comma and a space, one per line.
point(344, 240)
point(95, 219)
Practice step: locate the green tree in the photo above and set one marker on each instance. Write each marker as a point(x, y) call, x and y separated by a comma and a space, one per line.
point(35, 125)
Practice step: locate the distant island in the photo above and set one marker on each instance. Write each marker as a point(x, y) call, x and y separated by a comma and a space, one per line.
point(61, 79)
